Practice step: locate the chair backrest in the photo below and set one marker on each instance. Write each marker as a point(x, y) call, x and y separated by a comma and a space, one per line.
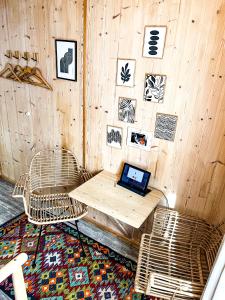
point(172, 225)
point(175, 227)
point(53, 168)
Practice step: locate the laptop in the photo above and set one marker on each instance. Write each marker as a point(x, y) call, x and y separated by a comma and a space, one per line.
point(134, 179)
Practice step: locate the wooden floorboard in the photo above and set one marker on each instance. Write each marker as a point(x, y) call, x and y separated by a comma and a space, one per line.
point(11, 207)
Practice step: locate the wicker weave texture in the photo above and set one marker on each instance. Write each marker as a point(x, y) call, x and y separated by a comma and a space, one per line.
point(44, 189)
point(175, 259)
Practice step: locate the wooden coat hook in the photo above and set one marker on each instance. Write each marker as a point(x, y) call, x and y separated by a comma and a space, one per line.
point(16, 54)
point(34, 56)
point(26, 55)
point(8, 54)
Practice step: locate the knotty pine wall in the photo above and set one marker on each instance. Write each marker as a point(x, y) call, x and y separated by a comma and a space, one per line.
point(33, 118)
point(193, 166)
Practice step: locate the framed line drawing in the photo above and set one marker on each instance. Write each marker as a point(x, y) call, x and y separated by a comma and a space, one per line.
point(126, 109)
point(125, 72)
point(114, 136)
point(66, 59)
point(139, 139)
point(165, 127)
point(154, 41)
point(154, 88)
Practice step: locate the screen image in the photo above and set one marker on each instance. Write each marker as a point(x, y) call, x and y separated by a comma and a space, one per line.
point(135, 177)
point(135, 174)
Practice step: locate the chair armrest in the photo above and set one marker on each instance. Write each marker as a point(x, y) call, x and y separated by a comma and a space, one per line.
point(21, 186)
point(84, 175)
point(167, 222)
point(174, 285)
point(14, 268)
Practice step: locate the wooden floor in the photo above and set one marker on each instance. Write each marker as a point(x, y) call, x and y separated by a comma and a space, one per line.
point(10, 207)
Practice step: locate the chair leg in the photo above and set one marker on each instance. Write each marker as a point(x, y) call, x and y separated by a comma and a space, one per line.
point(36, 252)
point(142, 297)
point(76, 223)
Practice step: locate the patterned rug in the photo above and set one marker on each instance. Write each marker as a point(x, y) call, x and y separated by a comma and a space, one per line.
point(61, 271)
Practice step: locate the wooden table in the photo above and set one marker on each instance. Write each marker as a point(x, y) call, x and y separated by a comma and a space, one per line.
point(102, 193)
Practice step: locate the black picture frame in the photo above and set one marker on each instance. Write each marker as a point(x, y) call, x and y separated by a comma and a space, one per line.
point(64, 68)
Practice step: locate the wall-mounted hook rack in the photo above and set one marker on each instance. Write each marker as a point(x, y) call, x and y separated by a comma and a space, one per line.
point(8, 54)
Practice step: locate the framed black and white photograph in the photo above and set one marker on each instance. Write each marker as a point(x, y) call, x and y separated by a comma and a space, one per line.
point(139, 139)
point(114, 136)
point(154, 88)
point(154, 41)
point(126, 109)
point(165, 126)
point(125, 72)
point(66, 59)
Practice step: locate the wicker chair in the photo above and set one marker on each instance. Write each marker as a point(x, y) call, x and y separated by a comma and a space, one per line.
point(175, 259)
point(44, 189)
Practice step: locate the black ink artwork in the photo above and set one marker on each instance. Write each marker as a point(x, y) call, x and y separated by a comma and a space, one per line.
point(126, 110)
point(154, 88)
point(154, 41)
point(125, 72)
point(165, 126)
point(138, 138)
point(66, 60)
point(125, 75)
point(114, 137)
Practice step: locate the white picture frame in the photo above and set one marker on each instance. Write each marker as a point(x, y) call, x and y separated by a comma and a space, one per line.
point(139, 138)
point(154, 41)
point(125, 72)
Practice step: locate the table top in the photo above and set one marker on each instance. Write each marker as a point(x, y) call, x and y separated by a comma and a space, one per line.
point(102, 193)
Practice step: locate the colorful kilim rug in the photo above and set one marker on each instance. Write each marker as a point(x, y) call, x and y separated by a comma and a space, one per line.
point(61, 271)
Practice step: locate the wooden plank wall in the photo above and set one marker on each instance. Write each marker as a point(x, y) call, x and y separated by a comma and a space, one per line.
point(33, 118)
point(192, 168)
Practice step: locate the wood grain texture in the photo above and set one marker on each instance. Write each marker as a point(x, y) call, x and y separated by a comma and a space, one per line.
point(32, 118)
point(102, 193)
point(193, 166)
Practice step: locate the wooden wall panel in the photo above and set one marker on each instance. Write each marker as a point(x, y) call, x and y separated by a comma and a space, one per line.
point(192, 167)
point(33, 118)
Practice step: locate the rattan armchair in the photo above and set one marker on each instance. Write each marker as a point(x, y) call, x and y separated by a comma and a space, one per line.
point(44, 189)
point(175, 259)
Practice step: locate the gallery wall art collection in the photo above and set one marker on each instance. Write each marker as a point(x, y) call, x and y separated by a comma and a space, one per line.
point(154, 91)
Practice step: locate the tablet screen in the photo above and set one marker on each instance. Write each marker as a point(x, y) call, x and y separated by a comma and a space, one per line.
point(135, 177)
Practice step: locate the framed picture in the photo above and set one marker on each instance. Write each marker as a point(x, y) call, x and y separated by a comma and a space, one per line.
point(154, 41)
point(126, 109)
point(125, 72)
point(165, 126)
point(114, 136)
point(139, 139)
point(154, 88)
point(66, 59)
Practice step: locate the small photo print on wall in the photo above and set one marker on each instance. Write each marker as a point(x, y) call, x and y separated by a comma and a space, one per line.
point(125, 72)
point(126, 109)
point(154, 88)
point(114, 136)
point(154, 40)
point(165, 127)
point(66, 59)
point(139, 139)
